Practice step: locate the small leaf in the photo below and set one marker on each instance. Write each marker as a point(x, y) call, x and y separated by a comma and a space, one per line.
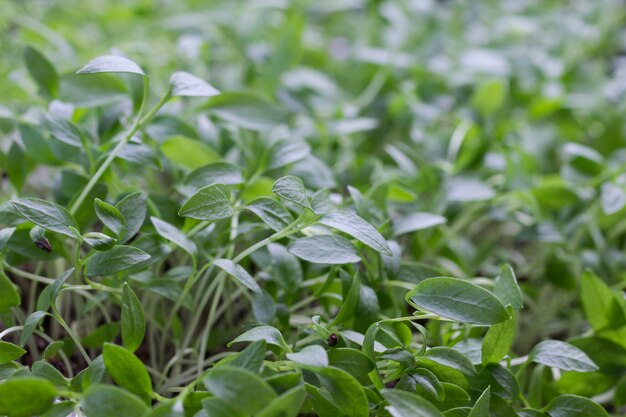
point(602, 309)
point(613, 198)
point(31, 323)
point(110, 216)
point(9, 296)
point(220, 172)
point(108, 401)
point(234, 386)
point(423, 381)
point(174, 235)
point(42, 71)
point(133, 209)
point(188, 85)
point(575, 406)
point(286, 405)
point(99, 241)
point(45, 214)
point(344, 390)
point(416, 221)
point(236, 271)
point(481, 408)
point(274, 214)
point(459, 300)
point(451, 358)
point(271, 335)
point(126, 370)
point(133, 322)
point(56, 286)
point(325, 249)
point(9, 352)
point(313, 355)
point(26, 396)
point(5, 235)
point(562, 355)
point(209, 203)
point(251, 358)
point(247, 111)
point(358, 228)
point(188, 153)
point(498, 340)
point(111, 63)
point(292, 189)
point(118, 259)
point(506, 288)
point(408, 404)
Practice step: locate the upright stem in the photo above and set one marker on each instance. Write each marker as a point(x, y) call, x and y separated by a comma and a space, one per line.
point(137, 124)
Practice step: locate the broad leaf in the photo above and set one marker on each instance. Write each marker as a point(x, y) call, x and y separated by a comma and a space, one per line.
point(274, 214)
point(313, 355)
point(506, 288)
point(45, 214)
point(498, 340)
point(459, 300)
point(271, 335)
point(574, 406)
point(408, 404)
point(26, 396)
point(111, 63)
point(292, 189)
point(42, 71)
point(108, 401)
point(174, 235)
point(562, 355)
point(481, 407)
point(9, 352)
point(416, 221)
point(325, 249)
point(110, 216)
point(189, 153)
point(188, 85)
point(358, 228)
point(247, 111)
point(118, 259)
point(239, 273)
point(209, 203)
point(127, 370)
point(9, 296)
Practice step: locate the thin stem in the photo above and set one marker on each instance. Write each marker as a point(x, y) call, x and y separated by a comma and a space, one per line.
point(71, 334)
point(137, 124)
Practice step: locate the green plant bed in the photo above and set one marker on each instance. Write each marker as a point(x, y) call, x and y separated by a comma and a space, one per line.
point(371, 238)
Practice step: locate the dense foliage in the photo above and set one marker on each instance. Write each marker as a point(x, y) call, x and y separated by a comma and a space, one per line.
point(335, 208)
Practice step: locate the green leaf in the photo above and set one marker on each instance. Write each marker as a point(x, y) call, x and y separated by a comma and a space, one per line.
point(209, 203)
point(345, 391)
point(9, 296)
point(110, 216)
point(99, 241)
point(481, 408)
point(118, 259)
point(26, 396)
point(457, 299)
point(291, 188)
point(189, 153)
point(246, 111)
point(325, 249)
point(574, 406)
point(506, 288)
point(45, 370)
point(133, 322)
point(9, 352)
point(358, 228)
point(350, 360)
point(111, 63)
point(271, 335)
point(236, 271)
point(602, 309)
point(251, 358)
point(313, 355)
point(562, 355)
point(5, 235)
point(286, 405)
point(133, 209)
point(31, 323)
point(498, 340)
point(42, 71)
point(234, 386)
point(416, 221)
point(185, 84)
point(45, 214)
point(422, 381)
point(127, 371)
point(57, 285)
point(349, 304)
point(108, 401)
point(451, 358)
point(408, 404)
point(274, 214)
point(220, 172)
point(174, 235)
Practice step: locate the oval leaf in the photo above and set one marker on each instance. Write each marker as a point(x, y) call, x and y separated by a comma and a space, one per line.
point(110, 63)
point(118, 259)
point(236, 271)
point(185, 84)
point(209, 203)
point(358, 228)
point(45, 214)
point(325, 249)
point(562, 355)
